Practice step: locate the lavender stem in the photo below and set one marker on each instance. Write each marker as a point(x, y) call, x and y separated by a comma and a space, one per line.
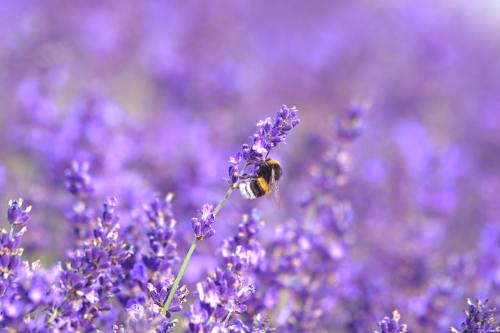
point(224, 198)
point(190, 252)
point(178, 278)
point(227, 317)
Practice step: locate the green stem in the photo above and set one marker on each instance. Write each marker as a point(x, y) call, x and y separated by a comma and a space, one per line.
point(224, 199)
point(178, 278)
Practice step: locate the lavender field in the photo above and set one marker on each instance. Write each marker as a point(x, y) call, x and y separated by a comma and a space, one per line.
point(250, 166)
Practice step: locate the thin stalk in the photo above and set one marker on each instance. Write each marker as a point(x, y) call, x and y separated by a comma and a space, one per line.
point(178, 278)
point(227, 317)
point(224, 199)
point(185, 262)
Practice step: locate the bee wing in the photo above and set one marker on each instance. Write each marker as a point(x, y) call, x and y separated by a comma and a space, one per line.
point(272, 182)
point(274, 187)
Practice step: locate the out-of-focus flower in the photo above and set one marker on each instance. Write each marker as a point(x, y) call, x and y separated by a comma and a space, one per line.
point(392, 325)
point(351, 127)
point(79, 183)
point(479, 318)
point(303, 251)
point(16, 214)
point(78, 180)
point(243, 251)
point(162, 253)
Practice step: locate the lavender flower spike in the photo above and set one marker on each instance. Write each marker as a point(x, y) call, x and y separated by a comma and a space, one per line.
point(16, 215)
point(78, 181)
point(479, 318)
point(392, 325)
point(271, 131)
point(203, 226)
point(11, 252)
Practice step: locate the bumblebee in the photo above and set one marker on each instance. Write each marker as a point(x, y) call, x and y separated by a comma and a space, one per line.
point(264, 182)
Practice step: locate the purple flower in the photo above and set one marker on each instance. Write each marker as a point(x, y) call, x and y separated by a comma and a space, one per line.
point(143, 316)
point(10, 250)
point(135, 312)
point(225, 293)
point(108, 213)
point(78, 180)
point(160, 231)
point(351, 126)
point(79, 183)
point(221, 295)
point(92, 276)
point(432, 310)
point(479, 318)
point(243, 251)
point(159, 293)
point(392, 325)
point(16, 214)
point(424, 181)
point(10, 256)
point(197, 315)
point(270, 132)
point(23, 287)
point(203, 225)
point(312, 250)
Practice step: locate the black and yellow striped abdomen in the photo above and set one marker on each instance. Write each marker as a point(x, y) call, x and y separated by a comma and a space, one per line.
point(260, 184)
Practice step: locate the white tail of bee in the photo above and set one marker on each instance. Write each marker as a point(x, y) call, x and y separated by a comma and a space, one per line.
point(246, 191)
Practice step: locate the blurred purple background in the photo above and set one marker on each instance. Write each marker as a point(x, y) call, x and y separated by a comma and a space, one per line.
point(157, 95)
